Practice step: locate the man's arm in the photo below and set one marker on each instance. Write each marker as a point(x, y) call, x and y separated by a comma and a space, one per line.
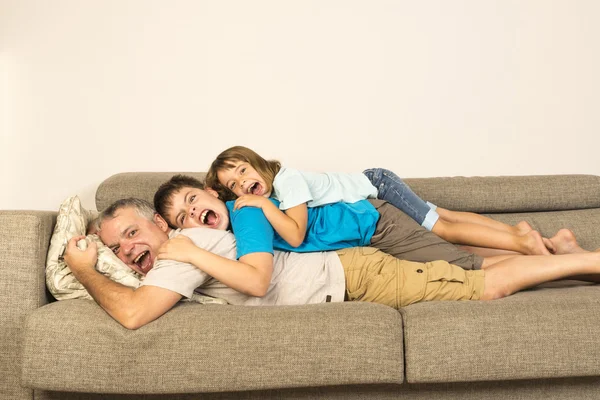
point(250, 275)
point(132, 308)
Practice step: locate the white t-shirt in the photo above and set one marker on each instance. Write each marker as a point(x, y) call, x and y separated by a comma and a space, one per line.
point(298, 278)
point(292, 187)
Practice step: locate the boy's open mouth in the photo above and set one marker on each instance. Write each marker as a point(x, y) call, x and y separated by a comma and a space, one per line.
point(143, 261)
point(210, 218)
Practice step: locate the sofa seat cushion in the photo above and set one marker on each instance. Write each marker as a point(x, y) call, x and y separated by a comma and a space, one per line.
point(538, 333)
point(73, 345)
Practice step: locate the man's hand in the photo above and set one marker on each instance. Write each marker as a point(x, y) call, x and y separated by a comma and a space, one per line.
point(180, 248)
point(250, 200)
point(80, 260)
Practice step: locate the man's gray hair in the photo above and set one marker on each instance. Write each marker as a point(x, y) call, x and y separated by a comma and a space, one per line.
point(142, 207)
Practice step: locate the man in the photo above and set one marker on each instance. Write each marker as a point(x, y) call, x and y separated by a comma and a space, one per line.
point(137, 235)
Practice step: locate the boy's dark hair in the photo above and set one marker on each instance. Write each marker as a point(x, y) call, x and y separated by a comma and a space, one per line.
point(163, 198)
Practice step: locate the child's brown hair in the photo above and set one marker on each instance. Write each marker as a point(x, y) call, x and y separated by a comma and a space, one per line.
point(267, 169)
point(163, 198)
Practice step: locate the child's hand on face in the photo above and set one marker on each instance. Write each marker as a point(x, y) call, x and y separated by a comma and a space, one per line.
point(250, 200)
point(177, 249)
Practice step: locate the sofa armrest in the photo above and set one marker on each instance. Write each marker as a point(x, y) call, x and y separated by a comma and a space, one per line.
point(24, 240)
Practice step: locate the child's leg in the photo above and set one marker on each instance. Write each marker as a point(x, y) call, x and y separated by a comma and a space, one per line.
point(478, 232)
point(564, 242)
point(484, 236)
point(468, 217)
point(521, 272)
point(487, 252)
point(393, 190)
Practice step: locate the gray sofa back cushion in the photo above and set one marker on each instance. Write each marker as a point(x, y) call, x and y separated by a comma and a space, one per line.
point(476, 194)
point(142, 185)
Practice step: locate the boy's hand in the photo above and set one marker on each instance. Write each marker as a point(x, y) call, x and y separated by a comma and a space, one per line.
point(250, 200)
point(77, 259)
point(179, 248)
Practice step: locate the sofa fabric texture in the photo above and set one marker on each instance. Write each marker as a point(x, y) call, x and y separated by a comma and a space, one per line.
point(539, 333)
point(542, 389)
point(208, 348)
point(24, 240)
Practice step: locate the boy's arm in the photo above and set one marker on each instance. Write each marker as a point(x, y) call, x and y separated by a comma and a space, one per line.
point(251, 275)
point(132, 308)
point(254, 241)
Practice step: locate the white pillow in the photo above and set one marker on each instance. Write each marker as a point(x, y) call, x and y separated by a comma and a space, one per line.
point(73, 220)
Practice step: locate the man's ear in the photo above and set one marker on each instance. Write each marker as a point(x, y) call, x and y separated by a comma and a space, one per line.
point(160, 222)
point(211, 191)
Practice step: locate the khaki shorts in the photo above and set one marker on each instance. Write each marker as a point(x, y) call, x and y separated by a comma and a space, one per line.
point(376, 277)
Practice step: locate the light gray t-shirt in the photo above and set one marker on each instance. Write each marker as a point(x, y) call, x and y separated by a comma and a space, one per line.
point(298, 278)
point(293, 187)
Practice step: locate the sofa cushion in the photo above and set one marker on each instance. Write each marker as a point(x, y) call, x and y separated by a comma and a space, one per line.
point(142, 185)
point(548, 202)
point(195, 348)
point(538, 333)
point(502, 194)
point(496, 194)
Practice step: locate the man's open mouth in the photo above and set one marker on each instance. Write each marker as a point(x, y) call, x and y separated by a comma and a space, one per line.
point(210, 218)
point(143, 261)
point(255, 188)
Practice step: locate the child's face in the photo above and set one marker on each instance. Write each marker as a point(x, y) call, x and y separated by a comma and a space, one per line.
point(194, 207)
point(242, 179)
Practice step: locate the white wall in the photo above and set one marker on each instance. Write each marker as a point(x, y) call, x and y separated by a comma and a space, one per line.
point(426, 88)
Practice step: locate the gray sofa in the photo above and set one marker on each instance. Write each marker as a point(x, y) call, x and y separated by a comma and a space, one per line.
point(541, 343)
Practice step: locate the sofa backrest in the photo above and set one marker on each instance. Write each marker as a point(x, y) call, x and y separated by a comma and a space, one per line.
point(142, 185)
point(501, 194)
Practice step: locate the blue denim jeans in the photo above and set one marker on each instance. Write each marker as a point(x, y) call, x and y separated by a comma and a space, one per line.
point(393, 190)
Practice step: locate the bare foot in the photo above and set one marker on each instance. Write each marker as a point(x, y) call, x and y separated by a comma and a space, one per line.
point(522, 228)
point(565, 242)
point(534, 244)
point(549, 245)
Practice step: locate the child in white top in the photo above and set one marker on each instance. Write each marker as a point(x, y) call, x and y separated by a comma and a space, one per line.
point(240, 173)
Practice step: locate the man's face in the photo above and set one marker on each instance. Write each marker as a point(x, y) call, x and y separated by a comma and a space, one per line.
point(194, 207)
point(242, 179)
point(134, 239)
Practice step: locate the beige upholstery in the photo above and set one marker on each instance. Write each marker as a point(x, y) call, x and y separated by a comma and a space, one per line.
point(200, 348)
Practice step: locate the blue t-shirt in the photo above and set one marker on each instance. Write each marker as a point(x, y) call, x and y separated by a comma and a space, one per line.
point(329, 227)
